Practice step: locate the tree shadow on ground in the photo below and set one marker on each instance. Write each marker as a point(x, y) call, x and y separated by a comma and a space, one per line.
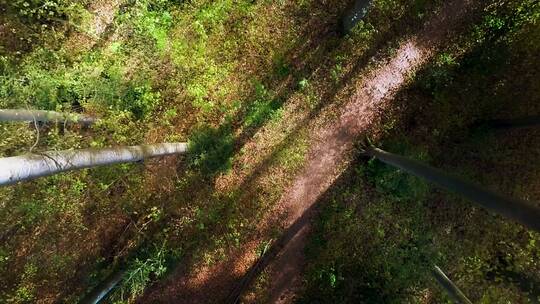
point(347, 180)
point(392, 35)
point(319, 43)
point(213, 148)
point(527, 284)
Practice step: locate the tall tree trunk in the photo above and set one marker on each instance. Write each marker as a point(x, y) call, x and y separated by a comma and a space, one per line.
point(44, 116)
point(519, 210)
point(451, 289)
point(30, 166)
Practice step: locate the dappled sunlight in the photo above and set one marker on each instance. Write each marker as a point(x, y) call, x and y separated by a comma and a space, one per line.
point(270, 104)
point(330, 154)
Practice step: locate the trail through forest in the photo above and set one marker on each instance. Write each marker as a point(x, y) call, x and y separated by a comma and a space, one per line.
point(269, 104)
point(329, 155)
point(335, 142)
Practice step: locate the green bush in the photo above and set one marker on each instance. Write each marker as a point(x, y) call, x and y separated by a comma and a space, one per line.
point(46, 81)
point(139, 100)
point(393, 182)
point(367, 249)
point(44, 11)
point(262, 109)
point(211, 149)
point(140, 273)
point(148, 20)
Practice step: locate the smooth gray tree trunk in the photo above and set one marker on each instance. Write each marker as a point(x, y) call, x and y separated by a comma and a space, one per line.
point(519, 210)
point(101, 291)
point(451, 289)
point(44, 116)
point(30, 166)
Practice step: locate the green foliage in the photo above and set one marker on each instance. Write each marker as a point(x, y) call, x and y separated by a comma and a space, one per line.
point(194, 51)
point(281, 67)
point(139, 100)
point(15, 139)
point(33, 85)
point(150, 20)
point(211, 149)
point(45, 81)
point(5, 65)
point(22, 295)
point(141, 272)
point(440, 74)
point(62, 196)
point(506, 19)
point(393, 182)
point(337, 71)
point(25, 292)
point(366, 252)
point(262, 109)
point(45, 11)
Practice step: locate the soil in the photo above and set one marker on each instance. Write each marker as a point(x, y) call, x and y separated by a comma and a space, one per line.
point(331, 151)
point(336, 141)
point(103, 13)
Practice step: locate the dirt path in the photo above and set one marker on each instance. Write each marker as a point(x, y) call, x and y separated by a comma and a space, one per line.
point(330, 152)
point(328, 157)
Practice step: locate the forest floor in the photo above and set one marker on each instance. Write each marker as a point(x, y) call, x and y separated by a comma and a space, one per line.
point(101, 19)
point(332, 147)
point(331, 151)
point(271, 204)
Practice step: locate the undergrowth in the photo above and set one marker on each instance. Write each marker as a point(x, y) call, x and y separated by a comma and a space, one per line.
point(233, 78)
point(380, 229)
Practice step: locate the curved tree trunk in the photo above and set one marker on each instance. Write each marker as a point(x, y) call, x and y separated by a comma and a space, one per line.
point(451, 289)
point(44, 116)
point(519, 210)
point(30, 166)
